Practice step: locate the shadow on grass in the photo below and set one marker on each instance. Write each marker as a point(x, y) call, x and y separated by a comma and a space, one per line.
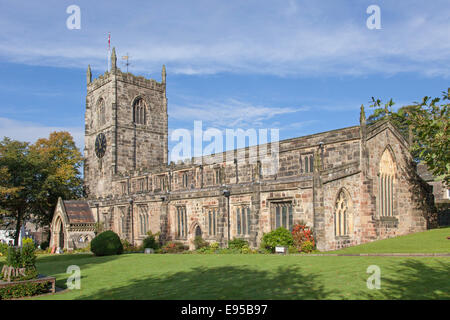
point(229, 282)
point(413, 279)
point(56, 265)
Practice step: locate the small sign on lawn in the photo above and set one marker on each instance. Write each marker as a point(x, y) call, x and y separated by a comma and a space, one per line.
point(280, 250)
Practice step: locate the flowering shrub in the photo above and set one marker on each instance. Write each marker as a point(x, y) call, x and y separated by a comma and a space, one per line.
point(174, 247)
point(303, 238)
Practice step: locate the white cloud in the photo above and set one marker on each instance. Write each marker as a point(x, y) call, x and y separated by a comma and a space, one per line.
point(230, 113)
point(203, 37)
point(30, 131)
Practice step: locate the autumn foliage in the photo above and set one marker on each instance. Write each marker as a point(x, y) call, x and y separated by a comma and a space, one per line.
point(303, 238)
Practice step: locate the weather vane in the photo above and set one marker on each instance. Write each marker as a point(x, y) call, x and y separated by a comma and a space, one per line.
point(126, 58)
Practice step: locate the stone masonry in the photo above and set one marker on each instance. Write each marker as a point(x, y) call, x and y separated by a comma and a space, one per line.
point(352, 185)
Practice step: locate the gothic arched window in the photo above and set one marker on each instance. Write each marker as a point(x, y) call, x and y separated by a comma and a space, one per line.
point(139, 111)
point(386, 184)
point(341, 215)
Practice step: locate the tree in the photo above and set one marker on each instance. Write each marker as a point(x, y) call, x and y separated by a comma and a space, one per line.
point(430, 123)
point(59, 174)
point(18, 182)
point(35, 176)
point(426, 125)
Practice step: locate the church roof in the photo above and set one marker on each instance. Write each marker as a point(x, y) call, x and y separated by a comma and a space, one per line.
point(78, 211)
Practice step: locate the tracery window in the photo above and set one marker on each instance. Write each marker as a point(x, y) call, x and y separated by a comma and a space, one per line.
point(282, 215)
point(386, 184)
point(139, 111)
point(341, 216)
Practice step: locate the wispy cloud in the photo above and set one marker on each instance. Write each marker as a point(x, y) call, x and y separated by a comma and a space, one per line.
point(205, 37)
point(230, 113)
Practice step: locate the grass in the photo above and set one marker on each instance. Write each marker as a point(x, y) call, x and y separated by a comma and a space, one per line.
point(430, 241)
point(246, 277)
point(140, 276)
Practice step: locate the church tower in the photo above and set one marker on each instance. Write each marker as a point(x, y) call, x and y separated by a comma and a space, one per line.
point(125, 127)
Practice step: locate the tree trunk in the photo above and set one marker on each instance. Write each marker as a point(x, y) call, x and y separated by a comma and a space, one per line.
point(18, 225)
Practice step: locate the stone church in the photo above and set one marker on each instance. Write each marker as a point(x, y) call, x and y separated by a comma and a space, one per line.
point(352, 185)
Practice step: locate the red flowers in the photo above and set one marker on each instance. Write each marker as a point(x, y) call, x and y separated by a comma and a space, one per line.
point(302, 233)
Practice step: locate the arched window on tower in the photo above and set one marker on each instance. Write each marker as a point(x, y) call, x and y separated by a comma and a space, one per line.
point(139, 111)
point(386, 184)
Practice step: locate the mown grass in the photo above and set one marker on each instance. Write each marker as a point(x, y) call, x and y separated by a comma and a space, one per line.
point(140, 276)
point(430, 241)
point(246, 277)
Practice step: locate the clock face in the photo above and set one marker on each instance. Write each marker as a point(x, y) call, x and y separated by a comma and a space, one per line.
point(100, 145)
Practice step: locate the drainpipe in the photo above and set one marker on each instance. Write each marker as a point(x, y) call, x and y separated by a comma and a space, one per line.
point(98, 216)
point(226, 193)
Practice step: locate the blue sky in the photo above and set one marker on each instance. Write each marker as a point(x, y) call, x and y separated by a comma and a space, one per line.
point(301, 66)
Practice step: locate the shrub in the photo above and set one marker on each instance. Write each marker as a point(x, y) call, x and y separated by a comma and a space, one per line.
point(27, 255)
point(174, 247)
point(237, 243)
point(301, 234)
point(21, 258)
point(150, 242)
point(279, 237)
point(13, 257)
point(307, 246)
point(128, 247)
point(200, 243)
point(3, 249)
point(214, 246)
point(44, 245)
point(106, 243)
point(23, 290)
point(247, 250)
point(292, 250)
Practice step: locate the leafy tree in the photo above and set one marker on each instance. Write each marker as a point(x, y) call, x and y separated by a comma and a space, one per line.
point(430, 123)
point(20, 177)
point(59, 173)
point(426, 124)
point(35, 176)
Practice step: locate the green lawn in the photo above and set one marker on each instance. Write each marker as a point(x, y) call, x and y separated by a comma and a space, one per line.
point(431, 241)
point(139, 276)
point(195, 276)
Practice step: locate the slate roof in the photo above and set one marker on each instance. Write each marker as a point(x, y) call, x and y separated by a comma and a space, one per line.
point(78, 211)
